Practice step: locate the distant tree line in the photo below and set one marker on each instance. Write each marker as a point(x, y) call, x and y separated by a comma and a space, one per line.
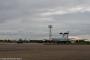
point(81, 42)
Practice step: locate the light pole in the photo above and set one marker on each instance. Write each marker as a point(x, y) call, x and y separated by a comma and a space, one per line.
point(50, 32)
point(65, 35)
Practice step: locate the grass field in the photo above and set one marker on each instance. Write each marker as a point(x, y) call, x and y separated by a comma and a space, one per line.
point(45, 52)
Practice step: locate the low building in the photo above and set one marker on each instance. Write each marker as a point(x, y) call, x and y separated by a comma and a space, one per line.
point(71, 40)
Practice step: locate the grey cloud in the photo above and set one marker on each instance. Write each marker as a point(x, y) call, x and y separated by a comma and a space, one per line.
point(24, 15)
point(77, 23)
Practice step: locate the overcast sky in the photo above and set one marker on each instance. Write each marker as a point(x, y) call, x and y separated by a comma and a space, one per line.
point(34, 16)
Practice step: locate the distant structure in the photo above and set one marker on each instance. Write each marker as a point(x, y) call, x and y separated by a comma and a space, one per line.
point(65, 35)
point(50, 31)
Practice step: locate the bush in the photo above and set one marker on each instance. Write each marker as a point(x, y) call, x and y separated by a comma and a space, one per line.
point(20, 41)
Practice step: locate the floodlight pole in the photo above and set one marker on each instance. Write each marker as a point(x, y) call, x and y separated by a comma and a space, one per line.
point(65, 34)
point(50, 32)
